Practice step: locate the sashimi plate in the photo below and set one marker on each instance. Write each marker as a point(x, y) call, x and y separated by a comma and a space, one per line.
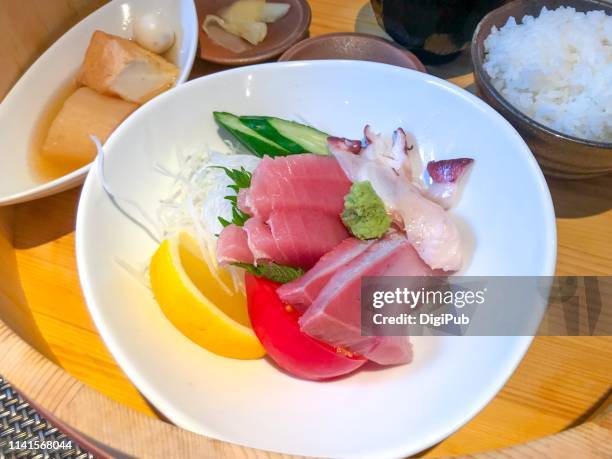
point(505, 216)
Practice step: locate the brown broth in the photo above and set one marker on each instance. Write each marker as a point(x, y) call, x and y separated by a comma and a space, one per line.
point(44, 167)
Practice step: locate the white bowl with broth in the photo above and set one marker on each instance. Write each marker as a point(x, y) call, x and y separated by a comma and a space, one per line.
point(28, 109)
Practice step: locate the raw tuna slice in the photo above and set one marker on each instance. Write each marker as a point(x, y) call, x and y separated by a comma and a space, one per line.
point(302, 292)
point(306, 236)
point(232, 246)
point(294, 238)
point(261, 243)
point(335, 315)
point(391, 350)
point(296, 182)
point(242, 200)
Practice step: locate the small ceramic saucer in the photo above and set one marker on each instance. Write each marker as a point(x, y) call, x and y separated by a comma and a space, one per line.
point(353, 46)
point(282, 34)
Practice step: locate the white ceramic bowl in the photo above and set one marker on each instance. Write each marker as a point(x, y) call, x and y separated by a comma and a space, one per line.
point(505, 214)
point(22, 108)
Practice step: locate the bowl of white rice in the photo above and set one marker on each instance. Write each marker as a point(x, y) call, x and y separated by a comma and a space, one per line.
point(546, 66)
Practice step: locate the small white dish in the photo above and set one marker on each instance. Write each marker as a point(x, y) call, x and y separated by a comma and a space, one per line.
point(22, 108)
point(505, 214)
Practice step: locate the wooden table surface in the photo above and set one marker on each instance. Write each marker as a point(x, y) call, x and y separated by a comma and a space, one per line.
point(558, 384)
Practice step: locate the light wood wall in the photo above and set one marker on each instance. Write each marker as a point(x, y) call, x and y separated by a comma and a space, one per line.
point(28, 27)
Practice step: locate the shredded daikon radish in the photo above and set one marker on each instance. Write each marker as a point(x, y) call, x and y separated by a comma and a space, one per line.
point(194, 203)
point(197, 200)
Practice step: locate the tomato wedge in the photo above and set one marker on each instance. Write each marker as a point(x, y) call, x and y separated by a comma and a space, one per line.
point(276, 326)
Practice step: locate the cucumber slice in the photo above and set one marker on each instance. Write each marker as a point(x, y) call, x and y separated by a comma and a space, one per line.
point(262, 126)
point(266, 135)
point(311, 139)
point(256, 143)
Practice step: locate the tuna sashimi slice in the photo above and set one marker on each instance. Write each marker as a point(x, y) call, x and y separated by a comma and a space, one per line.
point(301, 292)
point(232, 246)
point(296, 182)
point(391, 350)
point(335, 315)
point(291, 238)
point(261, 242)
point(242, 201)
point(306, 236)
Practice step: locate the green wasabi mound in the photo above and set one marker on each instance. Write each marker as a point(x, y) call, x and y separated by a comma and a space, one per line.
point(364, 212)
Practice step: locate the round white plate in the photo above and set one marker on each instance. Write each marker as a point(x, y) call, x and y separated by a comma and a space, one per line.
point(505, 214)
point(22, 108)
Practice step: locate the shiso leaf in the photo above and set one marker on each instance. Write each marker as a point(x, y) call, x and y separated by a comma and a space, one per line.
point(272, 271)
point(242, 179)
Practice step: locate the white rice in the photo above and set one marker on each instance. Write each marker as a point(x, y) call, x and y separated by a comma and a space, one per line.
point(557, 69)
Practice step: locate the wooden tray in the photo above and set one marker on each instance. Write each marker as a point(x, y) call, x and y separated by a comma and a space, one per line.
point(50, 350)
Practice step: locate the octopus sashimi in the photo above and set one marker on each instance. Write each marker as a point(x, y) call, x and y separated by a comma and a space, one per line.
point(398, 153)
point(447, 176)
point(391, 152)
point(426, 224)
point(395, 152)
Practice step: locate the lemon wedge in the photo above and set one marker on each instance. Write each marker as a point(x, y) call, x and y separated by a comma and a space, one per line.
point(194, 301)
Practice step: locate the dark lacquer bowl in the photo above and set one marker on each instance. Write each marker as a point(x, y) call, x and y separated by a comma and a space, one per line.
point(560, 155)
point(435, 30)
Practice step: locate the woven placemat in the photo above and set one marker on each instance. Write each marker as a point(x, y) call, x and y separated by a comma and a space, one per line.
point(25, 433)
